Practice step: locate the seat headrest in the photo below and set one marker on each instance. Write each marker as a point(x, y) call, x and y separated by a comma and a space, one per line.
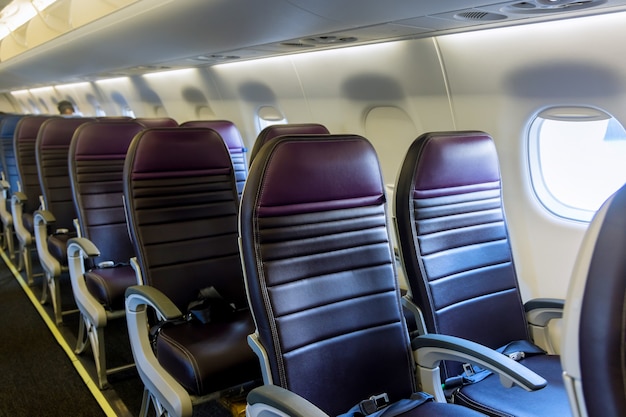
point(274, 131)
point(321, 173)
point(455, 162)
point(157, 121)
point(104, 139)
point(28, 126)
point(174, 152)
point(227, 129)
point(58, 131)
point(8, 125)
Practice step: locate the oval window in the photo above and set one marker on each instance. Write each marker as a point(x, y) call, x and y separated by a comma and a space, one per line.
point(576, 157)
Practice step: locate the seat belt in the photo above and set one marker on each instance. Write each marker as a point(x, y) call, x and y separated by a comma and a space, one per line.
point(379, 406)
point(516, 350)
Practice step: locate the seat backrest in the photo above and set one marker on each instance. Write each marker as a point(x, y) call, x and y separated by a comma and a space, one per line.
point(320, 271)
point(231, 136)
point(96, 162)
point(594, 319)
point(9, 165)
point(454, 241)
point(24, 144)
point(273, 131)
point(52, 147)
point(157, 121)
point(182, 204)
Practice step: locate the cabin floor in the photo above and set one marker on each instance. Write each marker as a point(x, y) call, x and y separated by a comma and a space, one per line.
point(40, 375)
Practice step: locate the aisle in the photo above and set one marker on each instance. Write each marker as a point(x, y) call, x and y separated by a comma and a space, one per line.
point(36, 376)
point(41, 375)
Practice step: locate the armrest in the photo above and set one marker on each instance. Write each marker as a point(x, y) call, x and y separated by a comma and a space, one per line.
point(139, 295)
point(279, 401)
point(44, 216)
point(539, 313)
point(431, 349)
point(42, 219)
point(19, 197)
point(79, 249)
point(4, 185)
point(83, 246)
point(17, 209)
point(174, 398)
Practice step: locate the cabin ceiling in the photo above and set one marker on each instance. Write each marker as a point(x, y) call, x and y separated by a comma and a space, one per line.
point(138, 36)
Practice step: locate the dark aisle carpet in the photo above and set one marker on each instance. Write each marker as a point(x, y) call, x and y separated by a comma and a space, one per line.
point(36, 376)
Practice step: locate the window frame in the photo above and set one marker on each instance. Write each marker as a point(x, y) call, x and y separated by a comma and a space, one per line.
point(538, 184)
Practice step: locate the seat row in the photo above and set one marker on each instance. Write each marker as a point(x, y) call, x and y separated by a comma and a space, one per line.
point(302, 241)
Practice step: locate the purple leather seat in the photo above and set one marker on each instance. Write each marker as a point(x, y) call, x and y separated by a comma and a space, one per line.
point(320, 275)
point(231, 136)
point(25, 201)
point(96, 162)
point(593, 321)
point(458, 262)
point(182, 206)
point(273, 131)
point(53, 225)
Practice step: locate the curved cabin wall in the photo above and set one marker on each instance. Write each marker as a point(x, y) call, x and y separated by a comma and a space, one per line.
point(492, 80)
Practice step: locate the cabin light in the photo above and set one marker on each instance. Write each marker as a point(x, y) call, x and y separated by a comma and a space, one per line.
point(169, 74)
point(73, 85)
point(41, 90)
point(20, 92)
point(113, 80)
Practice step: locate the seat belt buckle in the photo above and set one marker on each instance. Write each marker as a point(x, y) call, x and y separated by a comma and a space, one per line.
point(374, 403)
point(468, 370)
point(517, 356)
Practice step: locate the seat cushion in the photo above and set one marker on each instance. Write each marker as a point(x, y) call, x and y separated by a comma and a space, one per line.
point(28, 222)
point(57, 246)
point(489, 396)
point(109, 284)
point(208, 357)
point(435, 409)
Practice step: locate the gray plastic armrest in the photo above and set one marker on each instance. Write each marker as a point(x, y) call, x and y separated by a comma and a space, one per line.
point(540, 311)
point(170, 394)
point(431, 349)
point(282, 400)
point(43, 219)
point(155, 298)
point(19, 196)
point(46, 216)
point(87, 247)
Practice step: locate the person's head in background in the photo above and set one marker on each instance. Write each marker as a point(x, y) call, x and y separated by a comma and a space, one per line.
point(65, 107)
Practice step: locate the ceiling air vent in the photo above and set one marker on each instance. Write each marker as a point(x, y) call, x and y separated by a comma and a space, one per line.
point(550, 6)
point(329, 40)
point(297, 44)
point(477, 15)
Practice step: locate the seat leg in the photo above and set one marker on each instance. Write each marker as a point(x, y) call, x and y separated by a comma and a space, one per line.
point(28, 264)
point(8, 242)
point(55, 293)
point(96, 338)
point(145, 403)
point(20, 259)
point(44, 292)
point(82, 340)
